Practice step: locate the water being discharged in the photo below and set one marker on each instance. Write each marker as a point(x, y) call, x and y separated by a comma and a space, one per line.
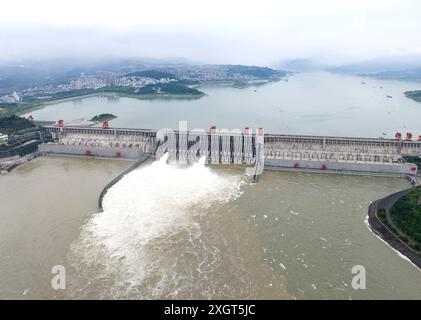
point(157, 238)
point(193, 232)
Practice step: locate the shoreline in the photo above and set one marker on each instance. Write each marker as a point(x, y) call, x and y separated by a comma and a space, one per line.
point(379, 229)
point(6, 169)
point(42, 105)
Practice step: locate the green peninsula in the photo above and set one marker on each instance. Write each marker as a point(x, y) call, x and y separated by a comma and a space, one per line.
point(414, 95)
point(103, 117)
point(152, 90)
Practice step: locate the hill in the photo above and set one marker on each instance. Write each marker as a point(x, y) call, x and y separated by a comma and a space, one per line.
point(154, 74)
point(255, 72)
point(406, 212)
point(170, 88)
point(13, 123)
point(414, 95)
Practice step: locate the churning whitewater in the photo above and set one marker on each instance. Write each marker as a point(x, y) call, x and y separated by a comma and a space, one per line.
point(149, 241)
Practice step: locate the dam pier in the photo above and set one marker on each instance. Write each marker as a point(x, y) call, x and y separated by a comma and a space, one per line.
point(261, 150)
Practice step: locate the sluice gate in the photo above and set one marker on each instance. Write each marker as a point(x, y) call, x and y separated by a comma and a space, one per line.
point(216, 147)
point(279, 151)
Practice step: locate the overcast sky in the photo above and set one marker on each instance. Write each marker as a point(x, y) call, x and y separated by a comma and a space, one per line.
point(259, 32)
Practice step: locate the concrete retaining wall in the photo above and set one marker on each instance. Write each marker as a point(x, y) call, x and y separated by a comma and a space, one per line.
point(123, 153)
point(397, 168)
point(380, 229)
point(7, 159)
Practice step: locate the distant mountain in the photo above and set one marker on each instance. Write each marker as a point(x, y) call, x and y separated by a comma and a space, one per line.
point(404, 68)
point(17, 77)
point(302, 65)
point(381, 64)
point(403, 75)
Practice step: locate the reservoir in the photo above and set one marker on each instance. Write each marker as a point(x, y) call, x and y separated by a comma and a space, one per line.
point(207, 232)
point(309, 103)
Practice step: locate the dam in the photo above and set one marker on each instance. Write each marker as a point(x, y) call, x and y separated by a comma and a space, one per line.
point(259, 149)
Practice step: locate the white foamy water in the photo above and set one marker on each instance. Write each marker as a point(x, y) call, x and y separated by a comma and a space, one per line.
point(147, 242)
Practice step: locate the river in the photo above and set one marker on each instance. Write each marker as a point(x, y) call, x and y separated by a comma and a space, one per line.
point(207, 232)
point(197, 232)
point(309, 103)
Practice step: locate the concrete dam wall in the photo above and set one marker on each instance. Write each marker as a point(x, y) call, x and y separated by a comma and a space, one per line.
point(216, 147)
point(337, 154)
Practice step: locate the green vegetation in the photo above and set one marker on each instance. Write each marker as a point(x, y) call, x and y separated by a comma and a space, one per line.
point(413, 159)
point(11, 124)
point(255, 72)
point(103, 117)
point(414, 95)
point(406, 213)
point(381, 214)
point(155, 89)
point(59, 95)
point(37, 101)
point(7, 109)
point(169, 88)
point(13, 108)
point(154, 74)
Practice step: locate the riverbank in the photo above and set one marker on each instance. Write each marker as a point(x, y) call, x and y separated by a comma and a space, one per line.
point(25, 108)
point(379, 228)
point(11, 164)
point(157, 96)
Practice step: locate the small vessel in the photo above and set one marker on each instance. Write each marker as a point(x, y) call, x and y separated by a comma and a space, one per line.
point(363, 82)
point(389, 96)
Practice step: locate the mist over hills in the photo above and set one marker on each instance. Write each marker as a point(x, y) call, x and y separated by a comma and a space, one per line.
point(15, 75)
point(406, 68)
point(302, 65)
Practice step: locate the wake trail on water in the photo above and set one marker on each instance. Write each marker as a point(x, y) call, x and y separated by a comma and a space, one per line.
point(147, 242)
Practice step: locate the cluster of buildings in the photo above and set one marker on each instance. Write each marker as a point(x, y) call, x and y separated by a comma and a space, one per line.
point(195, 73)
point(107, 79)
point(90, 82)
point(3, 138)
point(138, 82)
point(10, 98)
point(83, 82)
